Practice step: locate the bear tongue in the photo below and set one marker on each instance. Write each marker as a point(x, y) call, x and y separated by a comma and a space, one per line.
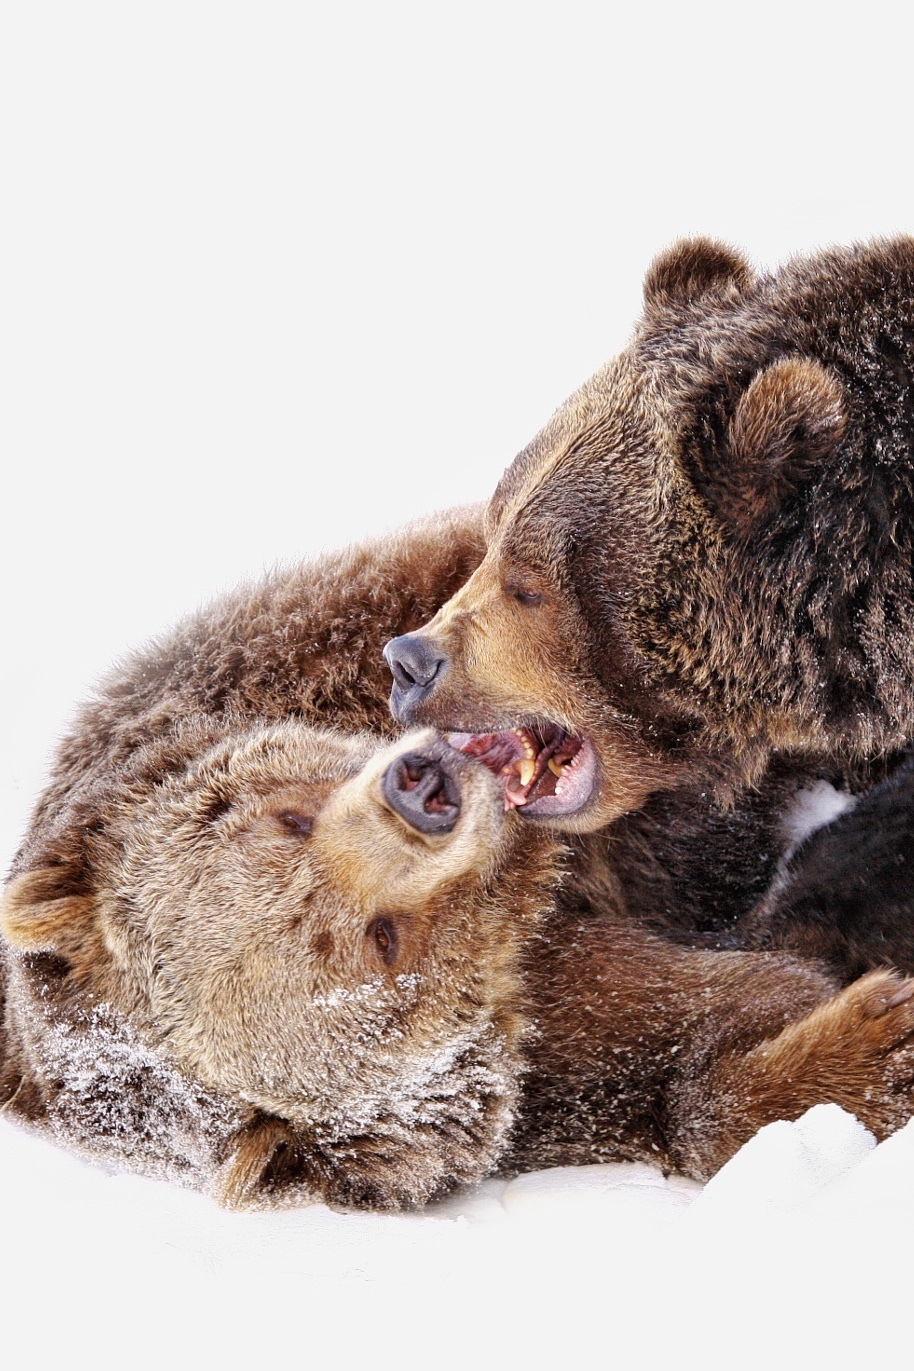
point(517, 756)
point(517, 794)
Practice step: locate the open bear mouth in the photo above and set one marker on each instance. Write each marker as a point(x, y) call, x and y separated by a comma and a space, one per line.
point(545, 770)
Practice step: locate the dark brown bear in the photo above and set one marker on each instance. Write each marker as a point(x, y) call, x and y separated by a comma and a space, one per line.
point(283, 962)
point(706, 556)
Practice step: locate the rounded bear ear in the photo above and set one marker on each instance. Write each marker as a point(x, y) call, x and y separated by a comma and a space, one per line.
point(264, 1154)
point(40, 913)
point(692, 269)
point(790, 417)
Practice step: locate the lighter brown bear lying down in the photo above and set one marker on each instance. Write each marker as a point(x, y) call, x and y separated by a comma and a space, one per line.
point(279, 963)
point(279, 987)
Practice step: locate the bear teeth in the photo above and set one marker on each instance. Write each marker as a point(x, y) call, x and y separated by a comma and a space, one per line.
point(525, 740)
point(526, 770)
point(566, 769)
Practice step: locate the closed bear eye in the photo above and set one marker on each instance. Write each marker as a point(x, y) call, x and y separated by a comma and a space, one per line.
point(524, 595)
point(299, 825)
point(383, 933)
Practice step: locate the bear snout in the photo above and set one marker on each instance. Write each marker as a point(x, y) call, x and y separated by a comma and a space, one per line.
point(423, 792)
point(417, 665)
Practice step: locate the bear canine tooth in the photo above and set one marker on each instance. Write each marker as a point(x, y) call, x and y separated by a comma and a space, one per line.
point(526, 771)
point(555, 767)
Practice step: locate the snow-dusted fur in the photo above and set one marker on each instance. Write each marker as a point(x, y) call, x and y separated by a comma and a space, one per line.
point(174, 919)
point(259, 981)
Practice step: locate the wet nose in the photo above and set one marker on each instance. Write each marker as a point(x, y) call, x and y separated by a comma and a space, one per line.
point(423, 794)
point(417, 666)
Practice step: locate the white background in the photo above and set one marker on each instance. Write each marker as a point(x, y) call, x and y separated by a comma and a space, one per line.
point(274, 276)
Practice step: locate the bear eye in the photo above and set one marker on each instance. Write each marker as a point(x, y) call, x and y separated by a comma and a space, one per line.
point(298, 824)
point(524, 595)
point(383, 933)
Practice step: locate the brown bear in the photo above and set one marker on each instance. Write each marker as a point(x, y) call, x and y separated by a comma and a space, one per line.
point(706, 556)
point(269, 959)
point(281, 961)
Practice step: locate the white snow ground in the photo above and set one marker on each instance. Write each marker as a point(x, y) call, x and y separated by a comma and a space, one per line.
point(277, 275)
point(796, 1253)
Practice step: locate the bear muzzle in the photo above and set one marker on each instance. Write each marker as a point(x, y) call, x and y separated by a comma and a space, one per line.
point(417, 664)
point(423, 791)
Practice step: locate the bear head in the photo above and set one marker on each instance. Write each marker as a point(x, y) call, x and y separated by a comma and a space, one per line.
point(277, 961)
point(705, 556)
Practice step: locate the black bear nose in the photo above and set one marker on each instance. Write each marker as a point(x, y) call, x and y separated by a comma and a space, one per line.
point(417, 666)
point(422, 792)
point(414, 661)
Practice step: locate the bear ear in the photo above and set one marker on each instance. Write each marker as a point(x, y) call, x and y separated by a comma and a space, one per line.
point(692, 269)
point(790, 417)
point(264, 1154)
point(39, 911)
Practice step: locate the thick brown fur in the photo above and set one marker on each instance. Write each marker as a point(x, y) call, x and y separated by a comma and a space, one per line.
point(706, 556)
point(649, 1051)
point(228, 959)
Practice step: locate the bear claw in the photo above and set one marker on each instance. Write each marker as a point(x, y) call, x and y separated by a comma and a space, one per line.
point(903, 993)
